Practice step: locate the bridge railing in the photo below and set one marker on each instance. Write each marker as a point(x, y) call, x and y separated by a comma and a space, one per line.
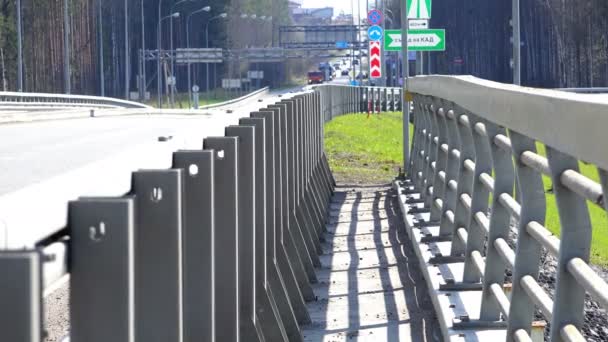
point(475, 196)
point(16, 99)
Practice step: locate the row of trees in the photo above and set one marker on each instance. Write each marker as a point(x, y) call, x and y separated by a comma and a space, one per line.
point(564, 43)
point(43, 38)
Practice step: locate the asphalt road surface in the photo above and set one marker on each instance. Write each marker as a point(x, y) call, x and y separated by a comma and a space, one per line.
point(34, 152)
point(42, 152)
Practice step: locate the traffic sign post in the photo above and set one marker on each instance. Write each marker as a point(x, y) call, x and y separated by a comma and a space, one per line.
point(375, 59)
point(375, 33)
point(418, 40)
point(419, 9)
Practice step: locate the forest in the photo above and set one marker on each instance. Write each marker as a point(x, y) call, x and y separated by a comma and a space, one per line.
point(99, 25)
point(564, 43)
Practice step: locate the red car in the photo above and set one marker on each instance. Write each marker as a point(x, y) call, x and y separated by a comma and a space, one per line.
point(315, 77)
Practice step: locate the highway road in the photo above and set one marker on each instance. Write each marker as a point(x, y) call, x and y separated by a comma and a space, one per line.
point(44, 164)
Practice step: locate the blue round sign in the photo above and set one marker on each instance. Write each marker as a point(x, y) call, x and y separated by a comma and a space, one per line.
point(374, 17)
point(375, 33)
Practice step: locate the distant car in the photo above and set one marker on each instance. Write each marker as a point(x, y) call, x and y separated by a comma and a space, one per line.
point(315, 77)
point(345, 72)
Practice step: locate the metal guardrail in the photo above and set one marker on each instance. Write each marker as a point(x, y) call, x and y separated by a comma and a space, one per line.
point(474, 170)
point(220, 246)
point(14, 99)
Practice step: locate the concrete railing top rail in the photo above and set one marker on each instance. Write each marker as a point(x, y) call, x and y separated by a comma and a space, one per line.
point(11, 98)
point(475, 204)
point(572, 123)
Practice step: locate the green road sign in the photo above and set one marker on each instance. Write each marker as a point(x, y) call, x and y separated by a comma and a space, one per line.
point(418, 9)
point(418, 40)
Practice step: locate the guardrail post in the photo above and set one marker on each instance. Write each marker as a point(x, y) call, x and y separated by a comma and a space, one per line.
point(296, 252)
point(569, 297)
point(303, 218)
point(158, 255)
point(226, 238)
point(446, 228)
point(23, 268)
point(300, 236)
point(433, 147)
point(441, 164)
point(527, 259)
point(199, 233)
point(418, 140)
point(289, 261)
point(102, 301)
point(249, 330)
point(462, 216)
point(500, 220)
point(278, 294)
point(268, 315)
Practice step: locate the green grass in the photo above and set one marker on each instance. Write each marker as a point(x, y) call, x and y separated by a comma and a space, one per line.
point(369, 150)
point(365, 150)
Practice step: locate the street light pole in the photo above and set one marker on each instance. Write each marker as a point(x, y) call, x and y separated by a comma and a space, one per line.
point(19, 48)
point(516, 43)
point(158, 44)
point(102, 83)
point(222, 15)
point(66, 48)
point(188, 18)
point(143, 57)
point(172, 53)
point(127, 61)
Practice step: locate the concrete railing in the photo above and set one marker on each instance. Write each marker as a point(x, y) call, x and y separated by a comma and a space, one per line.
point(475, 205)
point(221, 246)
point(15, 100)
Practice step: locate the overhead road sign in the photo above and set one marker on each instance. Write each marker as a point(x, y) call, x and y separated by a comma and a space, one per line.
point(375, 33)
point(418, 40)
point(342, 45)
point(419, 9)
point(375, 59)
point(374, 17)
point(418, 24)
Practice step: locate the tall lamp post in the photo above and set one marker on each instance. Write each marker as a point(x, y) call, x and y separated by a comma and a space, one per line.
point(158, 44)
point(160, 23)
point(66, 48)
point(127, 59)
point(188, 18)
point(173, 86)
point(219, 16)
point(19, 49)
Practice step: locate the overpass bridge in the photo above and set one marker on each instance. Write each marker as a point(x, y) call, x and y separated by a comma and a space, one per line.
point(239, 232)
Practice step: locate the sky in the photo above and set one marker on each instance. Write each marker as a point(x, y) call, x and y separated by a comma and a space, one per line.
point(338, 5)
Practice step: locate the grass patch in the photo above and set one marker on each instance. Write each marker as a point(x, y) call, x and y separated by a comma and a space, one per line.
point(369, 150)
point(365, 150)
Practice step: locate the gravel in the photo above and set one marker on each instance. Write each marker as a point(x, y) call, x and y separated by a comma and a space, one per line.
point(595, 327)
point(57, 314)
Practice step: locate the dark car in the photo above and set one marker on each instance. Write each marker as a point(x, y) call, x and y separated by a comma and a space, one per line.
point(345, 72)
